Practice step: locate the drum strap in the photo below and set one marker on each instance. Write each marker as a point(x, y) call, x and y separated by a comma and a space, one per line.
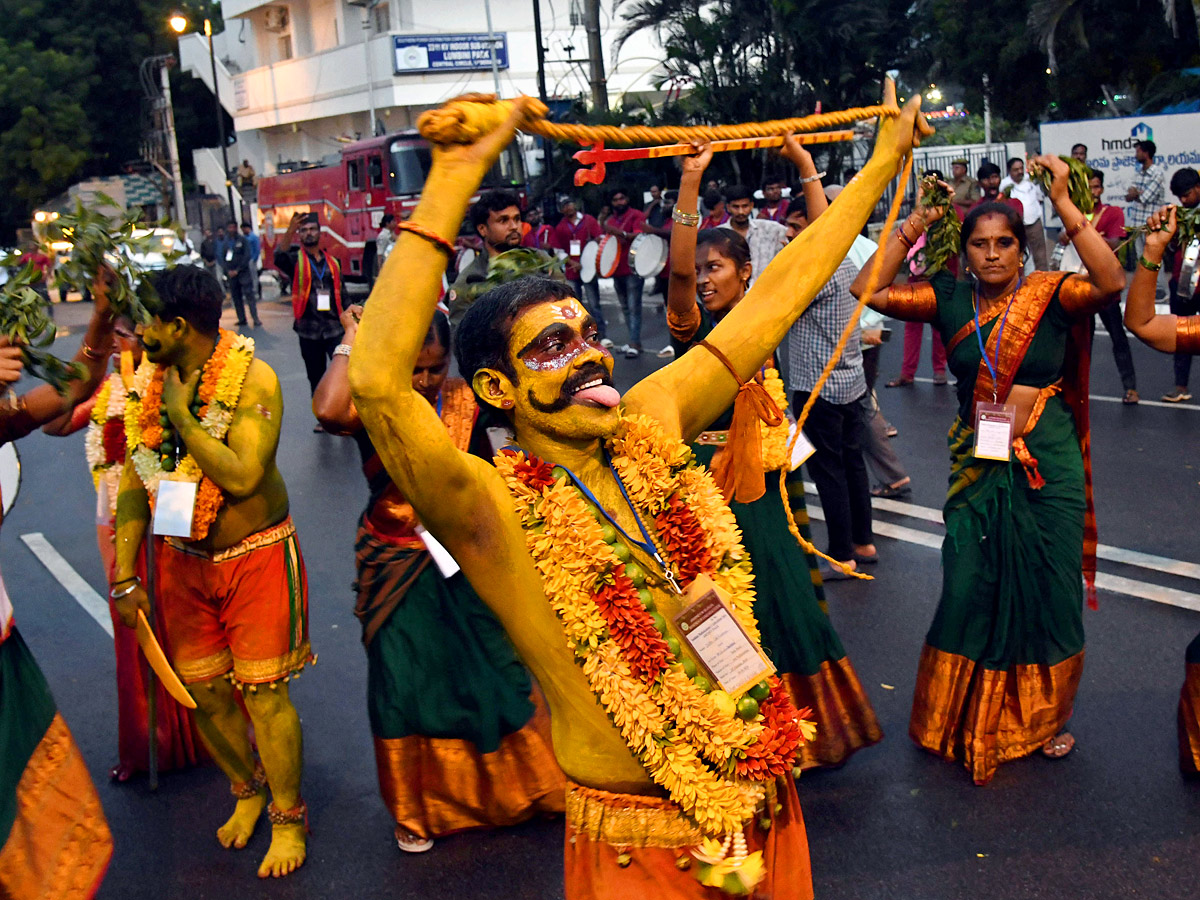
point(737, 467)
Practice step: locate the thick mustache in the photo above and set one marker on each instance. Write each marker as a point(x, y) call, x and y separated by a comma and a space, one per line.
point(583, 376)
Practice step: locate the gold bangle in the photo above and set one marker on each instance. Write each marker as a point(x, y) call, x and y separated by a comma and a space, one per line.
point(1076, 228)
point(684, 218)
point(91, 352)
point(430, 235)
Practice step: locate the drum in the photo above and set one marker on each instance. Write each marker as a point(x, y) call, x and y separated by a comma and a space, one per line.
point(648, 255)
point(10, 475)
point(587, 262)
point(608, 256)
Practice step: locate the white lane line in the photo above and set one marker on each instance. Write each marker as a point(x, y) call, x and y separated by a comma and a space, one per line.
point(1185, 405)
point(1164, 564)
point(1114, 584)
point(93, 604)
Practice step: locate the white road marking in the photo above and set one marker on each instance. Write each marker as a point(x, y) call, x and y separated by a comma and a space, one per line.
point(93, 604)
point(1116, 584)
point(1184, 405)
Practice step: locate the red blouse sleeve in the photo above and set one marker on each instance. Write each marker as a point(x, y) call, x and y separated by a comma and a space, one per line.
point(913, 302)
point(1187, 335)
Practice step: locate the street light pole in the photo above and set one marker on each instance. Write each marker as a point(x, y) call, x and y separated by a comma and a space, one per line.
point(173, 147)
point(212, 58)
point(368, 6)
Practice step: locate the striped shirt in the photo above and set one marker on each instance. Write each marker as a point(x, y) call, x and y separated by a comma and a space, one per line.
point(766, 238)
point(813, 337)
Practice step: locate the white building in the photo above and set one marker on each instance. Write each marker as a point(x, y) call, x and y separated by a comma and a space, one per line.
point(293, 73)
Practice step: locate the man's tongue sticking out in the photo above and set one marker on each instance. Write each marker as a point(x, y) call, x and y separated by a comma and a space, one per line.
point(604, 394)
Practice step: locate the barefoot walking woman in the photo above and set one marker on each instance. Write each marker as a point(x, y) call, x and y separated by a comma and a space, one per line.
point(1004, 654)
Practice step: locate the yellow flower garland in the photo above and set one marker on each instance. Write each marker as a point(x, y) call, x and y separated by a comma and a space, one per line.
point(688, 740)
point(775, 437)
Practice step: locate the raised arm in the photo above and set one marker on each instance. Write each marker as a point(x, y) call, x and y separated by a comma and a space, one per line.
point(443, 485)
point(1160, 332)
point(332, 403)
point(895, 247)
point(683, 315)
point(1105, 278)
point(691, 392)
point(815, 200)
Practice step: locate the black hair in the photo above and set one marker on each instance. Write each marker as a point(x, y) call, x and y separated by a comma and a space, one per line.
point(247, 225)
point(1075, 147)
point(1015, 223)
point(798, 204)
point(987, 169)
point(1150, 147)
point(1096, 173)
point(439, 331)
point(1183, 181)
point(621, 189)
point(728, 243)
point(1015, 159)
point(773, 179)
point(190, 293)
point(387, 220)
point(738, 192)
point(936, 173)
point(481, 341)
point(492, 201)
point(712, 198)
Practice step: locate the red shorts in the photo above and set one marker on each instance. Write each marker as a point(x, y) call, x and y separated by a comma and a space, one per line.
point(244, 609)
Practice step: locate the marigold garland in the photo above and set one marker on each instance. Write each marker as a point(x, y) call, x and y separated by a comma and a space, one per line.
point(715, 765)
point(104, 442)
point(220, 388)
point(775, 437)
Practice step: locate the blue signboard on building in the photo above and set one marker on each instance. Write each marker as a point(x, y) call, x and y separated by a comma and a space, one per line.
point(447, 52)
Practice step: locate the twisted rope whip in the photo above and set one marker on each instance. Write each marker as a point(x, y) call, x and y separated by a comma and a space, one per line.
point(872, 283)
point(468, 118)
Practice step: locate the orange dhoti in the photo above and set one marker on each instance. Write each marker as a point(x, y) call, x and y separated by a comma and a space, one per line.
point(242, 610)
point(1189, 714)
point(630, 847)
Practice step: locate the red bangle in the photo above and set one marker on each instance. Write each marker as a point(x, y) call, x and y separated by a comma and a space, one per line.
point(432, 236)
point(904, 237)
point(1076, 228)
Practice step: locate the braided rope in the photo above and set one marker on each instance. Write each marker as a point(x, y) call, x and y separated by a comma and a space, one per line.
point(872, 283)
point(466, 119)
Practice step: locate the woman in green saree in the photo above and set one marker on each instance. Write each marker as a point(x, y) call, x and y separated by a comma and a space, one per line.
point(714, 265)
point(1170, 334)
point(1003, 657)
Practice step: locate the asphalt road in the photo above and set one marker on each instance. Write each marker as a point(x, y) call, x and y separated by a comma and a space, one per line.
point(1113, 820)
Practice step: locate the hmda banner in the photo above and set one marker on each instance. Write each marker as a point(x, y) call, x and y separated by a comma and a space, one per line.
point(1110, 148)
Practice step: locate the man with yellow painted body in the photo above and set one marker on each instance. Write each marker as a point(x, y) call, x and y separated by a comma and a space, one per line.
point(235, 601)
point(535, 357)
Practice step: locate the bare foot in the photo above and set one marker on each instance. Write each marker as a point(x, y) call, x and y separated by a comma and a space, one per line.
point(287, 851)
point(235, 833)
point(1059, 746)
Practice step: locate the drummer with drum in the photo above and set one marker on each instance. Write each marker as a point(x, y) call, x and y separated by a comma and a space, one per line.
point(577, 236)
point(623, 225)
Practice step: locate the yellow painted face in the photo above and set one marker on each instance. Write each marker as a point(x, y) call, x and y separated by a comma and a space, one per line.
point(564, 377)
point(161, 340)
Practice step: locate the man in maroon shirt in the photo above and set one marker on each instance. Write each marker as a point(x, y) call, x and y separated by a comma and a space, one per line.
point(774, 206)
point(625, 224)
point(989, 185)
point(571, 235)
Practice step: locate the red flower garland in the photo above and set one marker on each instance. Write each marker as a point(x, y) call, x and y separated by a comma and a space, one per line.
point(532, 471)
point(685, 540)
point(632, 628)
point(113, 436)
point(773, 753)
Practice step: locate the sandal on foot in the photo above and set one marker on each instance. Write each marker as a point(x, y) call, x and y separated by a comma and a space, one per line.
point(1058, 746)
point(887, 492)
point(900, 381)
point(1131, 397)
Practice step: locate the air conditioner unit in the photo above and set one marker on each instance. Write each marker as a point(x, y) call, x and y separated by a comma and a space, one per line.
point(276, 18)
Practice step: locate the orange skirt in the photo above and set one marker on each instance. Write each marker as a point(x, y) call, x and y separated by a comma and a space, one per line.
point(845, 719)
point(983, 717)
point(437, 786)
point(1189, 722)
point(653, 839)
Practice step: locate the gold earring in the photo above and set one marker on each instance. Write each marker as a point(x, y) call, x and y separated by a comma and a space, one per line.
point(507, 404)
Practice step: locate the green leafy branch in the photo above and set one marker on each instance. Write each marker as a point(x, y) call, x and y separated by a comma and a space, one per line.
point(1078, 187)
point(943, 238)
point(26, 324)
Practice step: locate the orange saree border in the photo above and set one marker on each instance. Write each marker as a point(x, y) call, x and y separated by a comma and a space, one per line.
point(437, 786)
point(656, 866)
point(59, 845)
point(845, 719)
point(983, 717)
point(1189, 722)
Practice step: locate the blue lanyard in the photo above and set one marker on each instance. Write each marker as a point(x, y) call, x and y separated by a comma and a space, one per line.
point(647, 544)
point(999, 336)
point(320, 276)
point(439, 404)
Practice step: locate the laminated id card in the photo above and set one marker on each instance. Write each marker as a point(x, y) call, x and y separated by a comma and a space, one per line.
point(323, 301)
point(441, 556)
point(173, 508)
point(576, 248)
point(994, 430)
point(719, 642)
point(802, 450)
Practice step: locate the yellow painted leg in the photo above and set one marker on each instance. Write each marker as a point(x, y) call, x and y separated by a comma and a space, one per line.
point(280, 745)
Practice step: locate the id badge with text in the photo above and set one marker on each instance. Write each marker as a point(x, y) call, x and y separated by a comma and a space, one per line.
point(994, 430)
point(323, 304)
point(576, 248)
point(718, 641)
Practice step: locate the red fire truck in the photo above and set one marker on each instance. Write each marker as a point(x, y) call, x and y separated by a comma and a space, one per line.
point(372, 177)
